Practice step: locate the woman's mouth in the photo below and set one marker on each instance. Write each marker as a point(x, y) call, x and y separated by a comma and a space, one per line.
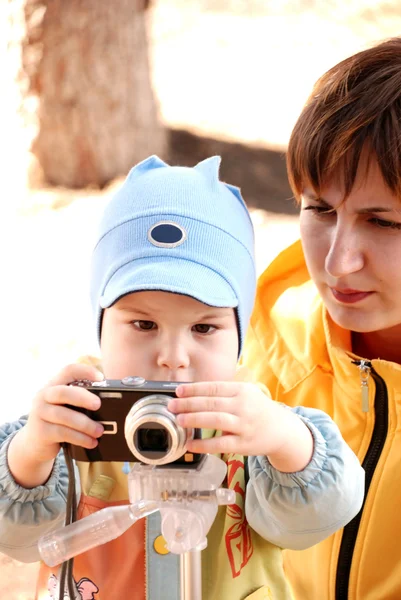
point(349, 296)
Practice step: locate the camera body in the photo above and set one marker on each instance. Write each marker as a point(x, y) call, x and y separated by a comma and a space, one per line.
point(138, 427)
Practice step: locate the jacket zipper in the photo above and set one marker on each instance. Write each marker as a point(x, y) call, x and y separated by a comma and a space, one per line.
point(350, 531)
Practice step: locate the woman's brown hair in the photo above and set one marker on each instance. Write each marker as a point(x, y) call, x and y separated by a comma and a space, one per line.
point(355, 106)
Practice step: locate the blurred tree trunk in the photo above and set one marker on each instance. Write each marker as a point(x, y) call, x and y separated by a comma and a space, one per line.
point(87, 65)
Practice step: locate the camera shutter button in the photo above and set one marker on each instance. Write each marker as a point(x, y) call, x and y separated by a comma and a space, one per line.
point(134, 381)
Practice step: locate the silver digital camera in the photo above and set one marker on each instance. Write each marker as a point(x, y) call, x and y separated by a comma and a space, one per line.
point(138, 427)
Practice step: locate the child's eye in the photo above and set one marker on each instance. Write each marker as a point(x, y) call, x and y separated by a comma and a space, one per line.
point(385, 224)
point(204, 328)
point(144, 325)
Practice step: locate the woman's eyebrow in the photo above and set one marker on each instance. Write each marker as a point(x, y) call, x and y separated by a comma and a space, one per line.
point(311, 196)
point(378, 209)
point(363, 211)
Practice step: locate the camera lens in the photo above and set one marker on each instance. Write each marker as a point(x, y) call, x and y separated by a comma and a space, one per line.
point(152, 433)
point(151, 437)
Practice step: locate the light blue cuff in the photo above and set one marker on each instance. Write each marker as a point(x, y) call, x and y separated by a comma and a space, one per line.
point(17, 495)
point(27, 514)
point(310, 472)
point(298, 510)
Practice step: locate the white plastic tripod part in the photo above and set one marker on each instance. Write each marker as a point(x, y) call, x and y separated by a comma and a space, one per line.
point(188, 499)
point(99, 528)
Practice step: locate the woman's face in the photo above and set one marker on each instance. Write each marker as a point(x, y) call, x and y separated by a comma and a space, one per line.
point(353, 252)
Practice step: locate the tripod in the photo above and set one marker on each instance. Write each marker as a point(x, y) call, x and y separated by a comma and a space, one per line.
point(188, 501)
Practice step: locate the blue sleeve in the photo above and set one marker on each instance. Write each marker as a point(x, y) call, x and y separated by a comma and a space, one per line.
point(27, 514)
point(298, 510)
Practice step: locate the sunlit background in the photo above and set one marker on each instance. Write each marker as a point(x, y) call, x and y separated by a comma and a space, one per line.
point(222, 77)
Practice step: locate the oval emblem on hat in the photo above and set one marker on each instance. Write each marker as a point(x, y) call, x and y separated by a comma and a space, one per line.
point(167, 234)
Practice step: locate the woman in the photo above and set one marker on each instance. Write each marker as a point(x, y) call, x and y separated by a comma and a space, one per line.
point(326, 330)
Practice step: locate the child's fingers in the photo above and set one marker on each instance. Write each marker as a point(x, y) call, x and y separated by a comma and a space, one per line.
point(61, 433)
point(74, 396)
point(202, 404)
point(216, 445)
point(209, 388)
point(71, 419)
point(210, 420)
point(76, 372)
point(52, 422)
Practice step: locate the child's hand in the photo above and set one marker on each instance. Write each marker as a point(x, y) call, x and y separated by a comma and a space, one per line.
point(50, 423)
point(252, 423)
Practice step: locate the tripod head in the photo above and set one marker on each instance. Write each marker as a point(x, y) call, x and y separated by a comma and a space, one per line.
point(188, 500)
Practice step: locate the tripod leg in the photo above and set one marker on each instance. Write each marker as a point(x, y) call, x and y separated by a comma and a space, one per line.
point(191, 575)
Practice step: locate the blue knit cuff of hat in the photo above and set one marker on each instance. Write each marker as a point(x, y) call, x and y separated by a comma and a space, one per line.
point(176, 229)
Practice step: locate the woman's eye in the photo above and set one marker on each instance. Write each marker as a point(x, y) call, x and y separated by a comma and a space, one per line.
point(203, 328)
point(385, 224)
point(144, 325)
point(320, 210)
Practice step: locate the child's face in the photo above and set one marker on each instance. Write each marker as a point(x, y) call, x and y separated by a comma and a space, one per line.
point(168, 337)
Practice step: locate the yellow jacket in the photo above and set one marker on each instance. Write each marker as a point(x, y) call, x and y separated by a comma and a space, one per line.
point(296, 350)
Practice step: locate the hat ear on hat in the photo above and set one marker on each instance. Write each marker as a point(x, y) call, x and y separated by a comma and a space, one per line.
point(210, 169)
point(150, 163)
point(237, 193)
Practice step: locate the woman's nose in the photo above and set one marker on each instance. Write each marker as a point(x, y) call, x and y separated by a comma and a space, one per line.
point(345, 255)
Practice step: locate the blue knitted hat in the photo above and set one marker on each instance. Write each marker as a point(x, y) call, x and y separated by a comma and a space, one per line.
point(176, 229)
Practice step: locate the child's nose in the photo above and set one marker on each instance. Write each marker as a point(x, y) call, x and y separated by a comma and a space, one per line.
point(173, 356)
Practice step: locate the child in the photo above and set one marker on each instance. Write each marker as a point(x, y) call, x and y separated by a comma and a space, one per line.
point(172, 288)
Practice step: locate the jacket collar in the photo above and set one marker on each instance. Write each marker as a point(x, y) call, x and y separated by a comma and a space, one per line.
point(297, 334)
